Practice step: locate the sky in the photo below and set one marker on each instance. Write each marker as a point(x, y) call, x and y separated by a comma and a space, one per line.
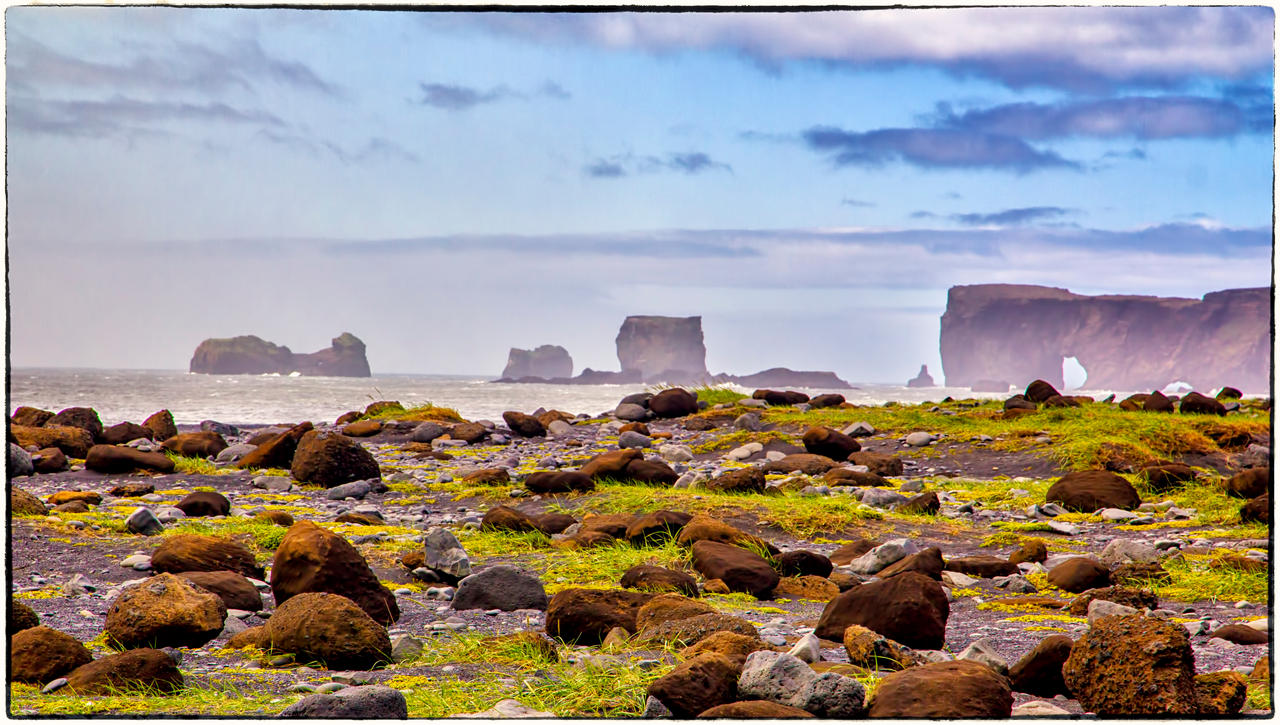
point(448, 185)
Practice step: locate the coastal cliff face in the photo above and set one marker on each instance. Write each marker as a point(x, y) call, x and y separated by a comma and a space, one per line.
point(544, 361)
point(652, 346)
point(1020, 333)
point(251, 355)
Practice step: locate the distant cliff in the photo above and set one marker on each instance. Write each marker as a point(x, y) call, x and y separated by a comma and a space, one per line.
point(251, 355)
point(544, 361)
point(1124, 342)
point(662, 347)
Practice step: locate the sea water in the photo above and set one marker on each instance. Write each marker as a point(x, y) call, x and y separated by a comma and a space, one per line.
point(132, 395)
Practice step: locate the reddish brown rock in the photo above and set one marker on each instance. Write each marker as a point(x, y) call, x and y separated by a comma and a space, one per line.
point(1195, 403)
point(754, 709)
point(1039, 672)
point(806, 463)
point(362, 428)
point(1031, 550)
point(235, 591)
point(739, 569)
point(73, 441)
point(1092, 490)
point(28, 416)
point(1078, 574)
point(1168, 476)
point(558, 482)
point(469, 432)
point(698, 684)
point(146, 669)
point(1039, 391)
point(200, 444)
point(848, 552)
point(650, 472)
point(985, 567)
point(800, 562)
point(1133, 665)
point(204, 503)
point(327, 628)
point(278, 450)
point(585, 616)
point(161, 425)
point(89, 497)
point(192, 552)
point(1249, 483)
point(925, 503)
point(1136, 598)
point(652, 529)
point(312, 559)
point(1241, 634)
point(86, 418)
point(613, 525)
point(21, 617)
point(650, 578)
point(38, 655)
point(554, 523)
point(881, 464)
point(610, 464)
point(50, 460)
point(959, 689)
point(833, 444)
point(164, 611)
point(524, 425)
point(1156, 402)
point(1220, 693)
point(122, 459)
point(669, 607)
point(739, 480)
point(673, 403)
point(22, 503)
point(505, 518)
point(1258, 509)
point(910, 608)
point(927, 562)
point(122, 433)
point(330, 459)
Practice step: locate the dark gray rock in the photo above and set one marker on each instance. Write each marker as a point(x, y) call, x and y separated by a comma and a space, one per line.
point(19, 462)
point(367, 702)
point(427, 432)
point(500, 587)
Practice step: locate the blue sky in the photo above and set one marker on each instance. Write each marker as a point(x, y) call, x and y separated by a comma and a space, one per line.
point(448, 185)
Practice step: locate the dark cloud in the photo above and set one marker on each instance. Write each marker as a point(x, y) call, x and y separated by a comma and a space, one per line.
point(689, 163)
point(121, 115)
point(857, 203)
point(1145, 118)
point(1012, 217)
point(602, 169)
point(931, 149)
point(452, 97)
point(693, 163)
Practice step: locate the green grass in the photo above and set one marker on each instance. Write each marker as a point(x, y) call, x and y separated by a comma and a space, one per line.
point(195, 465)
point(476, 648)
point(265, 535)
point(225, 701)
point(711, 394)
point(1194, 581)
point(419, 411)
point(732, 440)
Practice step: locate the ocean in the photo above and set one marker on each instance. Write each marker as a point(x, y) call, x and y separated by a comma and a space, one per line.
point(132, 395)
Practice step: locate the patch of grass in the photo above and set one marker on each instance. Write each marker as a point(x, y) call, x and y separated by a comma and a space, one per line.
point(484, 543)
point(603, 566)
point(732, 440)
point(1012, 526)
point(265, 535)
point(476, 648)
point(1259, 696)
point(712, 394)
point(193, 465)
point(1194, 581)
point(225, 700)
point(419, 412)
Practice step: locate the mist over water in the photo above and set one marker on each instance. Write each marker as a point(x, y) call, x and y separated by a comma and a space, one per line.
point(132, 395)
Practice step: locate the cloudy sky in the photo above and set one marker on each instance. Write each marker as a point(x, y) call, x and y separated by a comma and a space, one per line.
point(449, 185)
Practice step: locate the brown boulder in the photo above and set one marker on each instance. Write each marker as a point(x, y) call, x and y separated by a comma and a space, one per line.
point(505, 518)
point(781, 397)
point(585, 540)
point(132, 490)
point(487, 477)
point(1079, 573)
point(739, 480)
point(1133, 665)
point(1241, 634)
point(698, 684)
point(50, 460)
point(754, 709)
point(327, 628)
point(650, 578)
point(558, 482)
point(1089, 491)
point(741, 570)
point(161, 425)
point(360, 519)
point(650, 472)
point(610, 464)
point(833, 444)
point(1194, 402)
point(985, 567)
point(806, 463)
point(1249, 483)
point(850, 551)
point(1039, 391)
point(585, 616)
point(86, 418)
point(89, 497)
point(38, 655)
point(826, 400)
point(800, 562)
point(1258, 509)
point(469, 432)
point(21, 617)
point(959, 689)
point(524, 425)
point(673, 403)
point(730, 644)
point(122, 459)
point(193, 552)
point(1220, 693)
point(235, 591)
point(72, 507)
point(1039, 672)
point(1061, 401)
point(1156, 402)
point(1168, 476)
point(26, 415)
point(667, 608)
point(350, 416)
point(313, 559)
point(910, 608)
point(122, 433)
point(330, 459)
point(808, 586)
point(362, 428)
point(925, 503)
point(1031, 550)
point(873, 651)
point(554, 523)
point(1134, 402)
point(73, 441)
point(652, 529)
point(22, 503)
point(146, 669)
point(200, 444)
point(553, 415)
point(275, 516)
point(1019, 402)
point(636, 426)
point(1140, 572)
point(164, 611)
point(927, 562)
point(278, 450)
point(881, 464)
point(204, 503)
point(1136, 598)
point(847, 477)
point(614, 525)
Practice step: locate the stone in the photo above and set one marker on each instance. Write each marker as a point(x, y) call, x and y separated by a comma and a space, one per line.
point(204, 503)
point(1195, 403)
point(165, 611)
point(38, 655)
point(668, 607)
point(85, 418)
point(143, 521)
point(1241, 634)
point(910, 608)
point(20, 463)
point(881, 556)
point(832, 695)
point(611, 464)
point(874, 651)
point(331, 459)
point(279, 518)
point(365, 702)
point(1136, 598)
point(1100, 608)
point(655, 528)
point(1168, 476)
point(738, 480)
point(1079, 573)
point(500, 587)
point(739, 569)
point(881, 464)
point(697, 684)
point(122, 459)
point(193, 552)
point(928, 562)
point(731, 644)
point(806, 463)
point(846, 553)
point(199, 444)
point(882, 499)
point(555, 523)
point(650, 578)
point(1031, 550)
point(1157, 402)
point(1220, 693)
point(694, 629)
point(1089, 491)
point(558, 482)
point(833, 444)
point(23, 503)
point(523, 424)
point(983, 651)
point(918, 439)
point(26, 415)
point(748, 422)
point(632, 439)
point(1037, 708)
point(807, 649)
point(773, 676)
point(74, 442)
point(505, 518)
point(925, 503)
point(277, 451)
point(800, 562)
point(585, 616)
point(958, 689)
point(355, 489)
point(651, 472)
point(426, 432)
point(507, 710)
point(327, 628)
point(312, 559)
point(1249, 483)
point(21, 617)
point(1133, 665)
point(753, 709)
point(444, 555)
point(122, 433)
point(705, 528)
point(235, 591)
point(673, 403)
point(985, 567)
point(161, 425)
point(148, 669)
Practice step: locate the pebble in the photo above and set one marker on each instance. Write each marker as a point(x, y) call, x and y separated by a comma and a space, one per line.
point(302, 687)
point(330, 687)
point(918, 439)
point(139, 562)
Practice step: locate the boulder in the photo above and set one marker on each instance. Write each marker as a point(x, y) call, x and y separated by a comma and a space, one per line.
point(650, 472)
point(874, 651)
point(833, 444)
point(554, 523)
point(1031, 550)
point(611, 464)
point(1241, 634)
point(487, 477)
point(664, 608)
point(630, 411)
point(741, 570)
point(323, 627)
point(313, 559)
point(122, 459)
point(1194, 402)
point(1249, 483)
point(28, 416)
point(1156, 402)
point(470, 432)
point(364, 702)
point(806, 463)
point(808, 586)
point(500, 587)
point(1258, 509)
point(698, 684)
point(850, 551)
point(20, 463)
point(1168, 476)
point(38, 655)
point(910, 608)
point(958, 689)
point(652, 529)
point(730, 644)
point(650, 578)
point(1133, 665)
point(427, 431)
point(558, 482)
point(161, 425)
point(22, 503)
point(235, 591)
point(204, 503)
point(781, 397)
point(1079, 573)
point(985, 567)
point(544, 361)
point(21, 617)
point(773, 676)
point(166, 611)
point(362, 428)
point(826, 400)
point(753, 710)
point(1092, 490)
point(800, 562)
point(524, 425)
point(1136, 598)
point(73, 441)
point(85, 418)
point(278, 450)
point(193, 552)
point(927, 562)
point(1039, 672)
point(925, 503)
point(444, 555)
point(146, 669)
point(585, 616)
point(331, 459)
point(505, 518)
point(200, 444)
point(122, 433)
point(832, 695)
point(1039, 391)
point(673, 403)
point(613, 525)
point(49, 460)
point(739, 480)
point(1220, 693)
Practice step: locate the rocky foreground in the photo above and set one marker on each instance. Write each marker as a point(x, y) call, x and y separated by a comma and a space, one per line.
point(679, 556)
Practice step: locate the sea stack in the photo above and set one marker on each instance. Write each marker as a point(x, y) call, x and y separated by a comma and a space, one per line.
point(251, 355)
point(663, 348)
point(544, 361)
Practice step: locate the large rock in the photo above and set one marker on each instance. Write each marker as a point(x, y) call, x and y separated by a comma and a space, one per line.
point(694, 629)
point(23, 503)
point(161, 425)
point(544, 361)
point(773, 676)
point(652, 472)
point(73, 441)
point(874, 651)
point(166, 611)
point(1258, 509)
point(927, 562)
point(558, 482)
point(500, 587)
point(807, 463)
point(1220, 693)
point(204, 503)
point(38, 655)
point(698, 684)
point(235, 591)
point(28, 416)
point(21, 617)
point(505, 518)
point(922, 379)
point(985, 567)
point(364, 702)
point(673, 403)
point(1039, 672)
point(1078, 574)
point(909, 608)
point(122, 433)
point(881, 464)
point(123, 459)
point(1194, 402)
point(444, 555)
point(1092, 490)
point(753, 710)
point(1249, 483)
point(146, 669)
point(959, 689)
point(800, 562)
point(49, 460)
point(585, 616)
point(1133, 665)
point(738, 480)
point(833, 444)
point(86, 418)
point(652, 345)
point(656, 527)
point(193, 552)
point(20, 463)
point(199, 444)
point(611, 464)
point(313, 559)
point(741, 570)
point(650, 578)
point(251, 355)
point(1168, 476)
point(524, 424)
point(331, 459)
point(277, 451)
point(323, 627)
point(1023, 332)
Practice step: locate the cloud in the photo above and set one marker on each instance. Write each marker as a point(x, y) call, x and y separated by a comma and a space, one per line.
point(452, 97)
point(1012, 217)
point(857, 203)
point(1143, 118)
point(1079, 48)
point(931, 149)
point(376, 149)
point(688, 163)
point(121, 115)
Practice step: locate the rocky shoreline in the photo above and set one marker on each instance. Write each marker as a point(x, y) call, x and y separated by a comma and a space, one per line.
point(526, 560)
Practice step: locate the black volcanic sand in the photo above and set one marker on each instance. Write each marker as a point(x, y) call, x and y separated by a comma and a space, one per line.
point(47, 554)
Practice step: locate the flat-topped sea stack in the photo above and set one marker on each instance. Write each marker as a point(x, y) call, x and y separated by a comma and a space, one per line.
point(1021, 333)
point(662, 348)
point(251, 355)
point(544, 361)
